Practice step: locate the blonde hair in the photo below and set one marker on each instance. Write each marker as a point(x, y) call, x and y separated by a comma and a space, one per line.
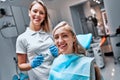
point(77, 48)
point(45, 24)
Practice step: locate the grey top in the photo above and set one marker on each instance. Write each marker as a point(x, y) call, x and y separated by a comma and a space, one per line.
point(34, 43)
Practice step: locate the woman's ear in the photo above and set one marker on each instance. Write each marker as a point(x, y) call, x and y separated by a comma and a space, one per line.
point(74, 37)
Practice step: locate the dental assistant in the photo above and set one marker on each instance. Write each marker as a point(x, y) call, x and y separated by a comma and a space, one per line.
point(32, 46)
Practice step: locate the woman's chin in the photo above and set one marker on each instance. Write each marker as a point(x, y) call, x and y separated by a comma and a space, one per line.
point(63, 52)
point(37, 24)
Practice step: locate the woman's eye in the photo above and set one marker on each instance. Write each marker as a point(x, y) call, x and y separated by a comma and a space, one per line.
point(42, 13)
point(65, 36)
point(56, 37)
point(35, 11)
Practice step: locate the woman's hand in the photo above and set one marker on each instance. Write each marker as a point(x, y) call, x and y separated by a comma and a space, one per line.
point(54, 50)
point(37, 61)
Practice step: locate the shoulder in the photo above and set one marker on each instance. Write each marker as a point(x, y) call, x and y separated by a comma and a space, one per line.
point(23, 36)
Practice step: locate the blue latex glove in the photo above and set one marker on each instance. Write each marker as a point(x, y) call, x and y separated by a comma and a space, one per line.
point(37, 61)
point(54, 50)
point(23, 76)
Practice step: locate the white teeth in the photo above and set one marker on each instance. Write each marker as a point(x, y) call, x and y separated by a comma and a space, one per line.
point(37, 19)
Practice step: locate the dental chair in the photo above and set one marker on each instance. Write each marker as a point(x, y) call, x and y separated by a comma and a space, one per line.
point(85, 41)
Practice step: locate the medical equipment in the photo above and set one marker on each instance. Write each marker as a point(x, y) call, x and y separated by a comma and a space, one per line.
point(99, 57)
point(19, 76)
point(85, 40)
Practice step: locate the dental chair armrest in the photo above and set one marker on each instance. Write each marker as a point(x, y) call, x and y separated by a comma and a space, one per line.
point(92, 72)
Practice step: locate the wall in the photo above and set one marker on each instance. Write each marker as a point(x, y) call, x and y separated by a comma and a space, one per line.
point(63, 11)
point(113, 15)
point(7, 51)
point(19, 18)
point(7, 48)
point(54, 11)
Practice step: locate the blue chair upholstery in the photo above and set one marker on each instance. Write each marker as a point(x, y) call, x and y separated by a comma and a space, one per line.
point(85, 40)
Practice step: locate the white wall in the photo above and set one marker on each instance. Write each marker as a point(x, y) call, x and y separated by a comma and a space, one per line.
point(7, 51)
point(19, 19)
point(65, 9)
point(7, 65)
point(7, 45)
point(54, 11)
point(7, 48)
point(113, 15)
point(62, 9)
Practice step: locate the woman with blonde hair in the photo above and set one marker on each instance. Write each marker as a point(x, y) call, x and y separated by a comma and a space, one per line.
point(71, 64)
point(32, 46)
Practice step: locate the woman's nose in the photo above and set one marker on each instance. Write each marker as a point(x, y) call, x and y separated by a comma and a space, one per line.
point(37, 13)
point(60, 40)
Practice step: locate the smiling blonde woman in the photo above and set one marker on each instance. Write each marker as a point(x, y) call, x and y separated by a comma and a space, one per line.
point(32, 46)
point(71, 64)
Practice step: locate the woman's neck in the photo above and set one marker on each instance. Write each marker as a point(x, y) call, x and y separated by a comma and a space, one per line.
point(35, 27)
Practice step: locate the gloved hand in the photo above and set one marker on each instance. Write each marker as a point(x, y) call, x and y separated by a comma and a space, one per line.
point(54, 50)
point(37, 61)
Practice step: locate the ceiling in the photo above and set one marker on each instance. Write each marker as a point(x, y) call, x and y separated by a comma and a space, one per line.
point(27, 2)
point(15, 2)
point(18, 2)
point(94, 2)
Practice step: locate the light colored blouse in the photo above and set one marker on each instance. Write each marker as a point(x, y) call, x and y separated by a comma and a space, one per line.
point(34, 43)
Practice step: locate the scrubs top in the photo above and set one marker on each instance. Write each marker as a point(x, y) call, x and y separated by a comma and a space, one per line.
point(34, 43)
